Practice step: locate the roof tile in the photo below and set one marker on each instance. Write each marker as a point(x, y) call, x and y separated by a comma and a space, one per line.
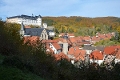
point(110, 50)
point(57, 46)
point(98, 55)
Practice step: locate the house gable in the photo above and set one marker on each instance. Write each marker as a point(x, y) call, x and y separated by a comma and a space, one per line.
point(55, 47)
point(44, 35)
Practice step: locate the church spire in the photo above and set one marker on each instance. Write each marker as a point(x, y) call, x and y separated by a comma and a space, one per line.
point(22, 30)
point(22, 26)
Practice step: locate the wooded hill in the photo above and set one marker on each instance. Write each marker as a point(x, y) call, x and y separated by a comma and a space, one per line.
point(77, 24)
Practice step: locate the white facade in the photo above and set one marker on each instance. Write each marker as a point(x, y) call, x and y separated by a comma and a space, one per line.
point(88, 52)
point(71, 36)
point(117, 61)
point(96, 61)
point(51, 34)
point(27, 20)
point(53, 48)
point(44, 25)
point(44, 35)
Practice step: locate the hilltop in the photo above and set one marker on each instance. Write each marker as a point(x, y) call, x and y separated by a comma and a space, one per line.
point(81, 21)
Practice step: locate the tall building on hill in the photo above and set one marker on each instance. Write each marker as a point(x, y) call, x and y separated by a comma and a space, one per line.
point(27, 20)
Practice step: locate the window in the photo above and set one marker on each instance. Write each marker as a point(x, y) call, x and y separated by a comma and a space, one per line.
point(41, 36)
point(45, 37)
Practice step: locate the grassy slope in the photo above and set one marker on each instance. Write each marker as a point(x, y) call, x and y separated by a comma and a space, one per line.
point(10, 73)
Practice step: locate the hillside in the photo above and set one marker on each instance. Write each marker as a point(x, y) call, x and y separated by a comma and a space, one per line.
point(81, 21)
point(10, 73)
point(13, 73)
point(74, 24)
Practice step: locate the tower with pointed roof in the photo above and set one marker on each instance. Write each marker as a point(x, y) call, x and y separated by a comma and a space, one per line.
point(22, 32)
point(65, 43)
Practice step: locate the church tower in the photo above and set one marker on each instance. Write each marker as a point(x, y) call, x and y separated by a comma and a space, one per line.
point(22, 32)
point(65, 44)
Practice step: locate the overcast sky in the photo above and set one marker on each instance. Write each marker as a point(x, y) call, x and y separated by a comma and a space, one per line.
point(84, 8)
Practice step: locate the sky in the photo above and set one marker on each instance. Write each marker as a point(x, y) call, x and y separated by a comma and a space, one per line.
point(84, 8)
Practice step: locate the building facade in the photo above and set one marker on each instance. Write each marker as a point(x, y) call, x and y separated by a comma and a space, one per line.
point(42, 33)
point(27, 20)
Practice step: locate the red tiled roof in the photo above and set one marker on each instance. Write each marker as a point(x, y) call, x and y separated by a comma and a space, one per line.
point(71, 51)
point(59, 39)
point(57, 46)
point(110, 50)
point(70, 34)
point(50, 50)
point(118, 46)
point(102, 36)
point(63, 40)
point(86, 38)
point(80, 55)
point(94, 38)
point(98, 55)
point(86, 43)
point(77, 53)
point(27, 27)
point(73, 40)
point(118, 54)
point(109, 35)
point(61, 34)
point(49, 41)
point(61, 56)
point(105, 36)
point(31, 39)
point(79, 38)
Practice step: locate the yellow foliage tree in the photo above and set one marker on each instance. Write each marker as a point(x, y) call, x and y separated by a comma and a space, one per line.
point(118, 29)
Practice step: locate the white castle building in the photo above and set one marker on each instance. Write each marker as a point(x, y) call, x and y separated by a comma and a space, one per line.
point(27, 20)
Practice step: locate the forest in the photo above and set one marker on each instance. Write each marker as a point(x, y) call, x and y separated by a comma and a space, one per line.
point(83, 25)
point(20, 61)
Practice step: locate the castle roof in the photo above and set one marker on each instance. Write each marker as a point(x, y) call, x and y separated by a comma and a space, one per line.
point(25, 17)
